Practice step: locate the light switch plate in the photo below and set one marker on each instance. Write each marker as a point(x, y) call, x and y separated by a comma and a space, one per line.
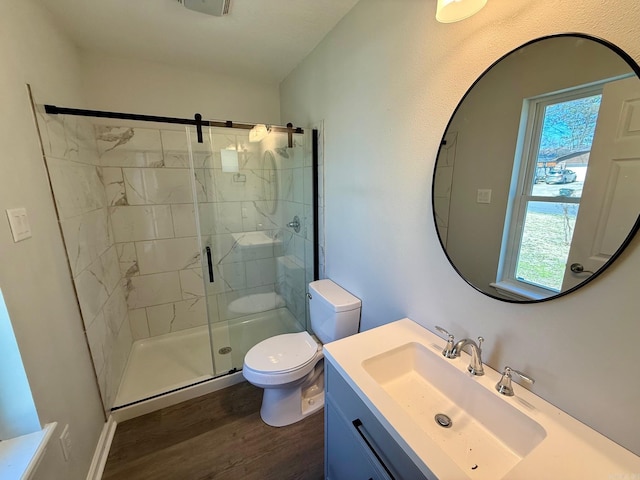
point(19, 223)
point(484, 195)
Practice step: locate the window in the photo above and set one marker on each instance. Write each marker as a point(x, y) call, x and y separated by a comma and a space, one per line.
point(18, 414)
point(22, 440)
point(556, 136)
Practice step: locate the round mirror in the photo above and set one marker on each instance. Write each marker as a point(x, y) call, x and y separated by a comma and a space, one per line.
point(536, 187)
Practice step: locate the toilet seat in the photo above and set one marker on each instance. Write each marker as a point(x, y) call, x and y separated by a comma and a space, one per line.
point(281, 359)
point(282, 353)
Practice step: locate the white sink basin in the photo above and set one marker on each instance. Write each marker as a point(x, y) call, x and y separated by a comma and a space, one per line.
point(487, 435)
point(399, 372)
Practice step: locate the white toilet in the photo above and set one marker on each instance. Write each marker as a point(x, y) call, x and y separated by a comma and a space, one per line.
point(290, 367)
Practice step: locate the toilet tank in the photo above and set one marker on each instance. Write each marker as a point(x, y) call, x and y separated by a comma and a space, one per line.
point(334, 312)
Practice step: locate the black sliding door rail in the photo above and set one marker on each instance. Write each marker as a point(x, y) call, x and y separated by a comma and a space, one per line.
point(196, 121)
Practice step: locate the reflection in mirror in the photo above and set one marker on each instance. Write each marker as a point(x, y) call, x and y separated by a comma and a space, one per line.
point(535, 186)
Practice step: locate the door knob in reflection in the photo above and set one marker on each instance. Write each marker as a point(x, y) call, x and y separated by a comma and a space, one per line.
point(578, 268)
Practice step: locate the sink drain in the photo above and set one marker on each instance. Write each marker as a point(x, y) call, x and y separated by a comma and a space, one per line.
point(443, 420)
point(224, 350)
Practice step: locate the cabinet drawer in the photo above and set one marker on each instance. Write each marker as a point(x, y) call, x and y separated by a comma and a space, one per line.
point(366, 425)
point(350, 458)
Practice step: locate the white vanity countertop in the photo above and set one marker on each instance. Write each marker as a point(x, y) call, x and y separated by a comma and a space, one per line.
point(570, 450)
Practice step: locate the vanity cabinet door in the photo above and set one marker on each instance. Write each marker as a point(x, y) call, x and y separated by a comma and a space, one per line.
point(349, 421)
point(348, 459)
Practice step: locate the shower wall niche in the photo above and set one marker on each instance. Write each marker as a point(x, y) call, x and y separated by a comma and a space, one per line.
point(125, 192)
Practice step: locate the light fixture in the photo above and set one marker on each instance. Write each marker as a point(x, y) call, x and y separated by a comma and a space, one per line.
point(218, 8)
point(258, 132)
point(449, 11)
point(229, 158)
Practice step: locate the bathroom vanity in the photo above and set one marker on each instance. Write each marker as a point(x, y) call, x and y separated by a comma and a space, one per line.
point(357, 444)
point(397, 409)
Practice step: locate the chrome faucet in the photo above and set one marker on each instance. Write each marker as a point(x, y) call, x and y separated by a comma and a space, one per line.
point(475, 366)
point(295, 224)
point(504, 385)
point(452, 350)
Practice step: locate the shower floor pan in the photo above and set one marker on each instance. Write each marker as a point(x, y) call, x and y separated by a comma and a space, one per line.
point(168, 362)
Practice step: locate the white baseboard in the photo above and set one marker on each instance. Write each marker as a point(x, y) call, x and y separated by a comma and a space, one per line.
point(102, 450)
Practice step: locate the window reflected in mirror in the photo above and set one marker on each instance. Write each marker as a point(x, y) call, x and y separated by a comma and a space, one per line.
point(558, 130)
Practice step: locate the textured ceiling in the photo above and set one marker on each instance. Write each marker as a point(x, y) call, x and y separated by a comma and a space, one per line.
point(263, 39)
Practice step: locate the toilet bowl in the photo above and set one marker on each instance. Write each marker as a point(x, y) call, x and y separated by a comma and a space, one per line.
point(287, 366)
point(290, 367)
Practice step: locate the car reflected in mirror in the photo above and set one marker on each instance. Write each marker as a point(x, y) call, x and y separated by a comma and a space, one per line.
point(560, 176)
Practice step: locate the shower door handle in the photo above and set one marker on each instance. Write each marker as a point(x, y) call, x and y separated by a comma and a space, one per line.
point(209, 264)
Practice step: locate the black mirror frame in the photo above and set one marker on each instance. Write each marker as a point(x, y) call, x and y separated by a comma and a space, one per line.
point(636, 69)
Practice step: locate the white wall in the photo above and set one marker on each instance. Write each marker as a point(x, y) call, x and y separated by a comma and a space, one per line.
point(385, 81)
point(34, 274)
point(132, 86)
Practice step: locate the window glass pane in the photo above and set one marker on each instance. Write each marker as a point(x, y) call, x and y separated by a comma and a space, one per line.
point(546, 239)
point(565, 141)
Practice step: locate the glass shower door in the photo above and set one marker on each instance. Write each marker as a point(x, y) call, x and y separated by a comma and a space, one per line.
point(255, 229)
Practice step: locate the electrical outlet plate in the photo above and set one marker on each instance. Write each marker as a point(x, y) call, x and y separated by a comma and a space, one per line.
point(65, 443)
point(484, 195)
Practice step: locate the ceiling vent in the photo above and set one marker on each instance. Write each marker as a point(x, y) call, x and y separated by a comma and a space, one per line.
point(218, 8)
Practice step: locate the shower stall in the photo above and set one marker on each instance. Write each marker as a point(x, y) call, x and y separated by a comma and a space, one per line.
point(189, 241)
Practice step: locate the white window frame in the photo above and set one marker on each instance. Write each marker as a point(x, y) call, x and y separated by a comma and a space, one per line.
point(520, 192)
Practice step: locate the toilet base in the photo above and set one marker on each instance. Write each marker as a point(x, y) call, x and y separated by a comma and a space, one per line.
point(285, 406)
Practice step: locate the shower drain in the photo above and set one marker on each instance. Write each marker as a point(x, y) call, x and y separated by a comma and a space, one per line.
point(224, 350)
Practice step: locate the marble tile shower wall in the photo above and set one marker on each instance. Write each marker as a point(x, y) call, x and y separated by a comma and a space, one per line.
point(150, 197)
point(243, 232)
point(125, 203)
point(77, 182)
point(150, 202)
point(443, 181)
point(295, 194)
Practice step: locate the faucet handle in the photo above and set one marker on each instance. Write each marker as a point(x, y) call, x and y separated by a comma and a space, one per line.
point(448, 349)
point(443, 331)
point(480, 340)
point(523, 376)
point(504, 385)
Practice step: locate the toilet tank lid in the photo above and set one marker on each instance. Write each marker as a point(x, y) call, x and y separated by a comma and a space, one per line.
point(334, 295)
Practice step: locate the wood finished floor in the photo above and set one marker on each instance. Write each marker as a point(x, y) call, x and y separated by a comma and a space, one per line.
point(217, 436)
